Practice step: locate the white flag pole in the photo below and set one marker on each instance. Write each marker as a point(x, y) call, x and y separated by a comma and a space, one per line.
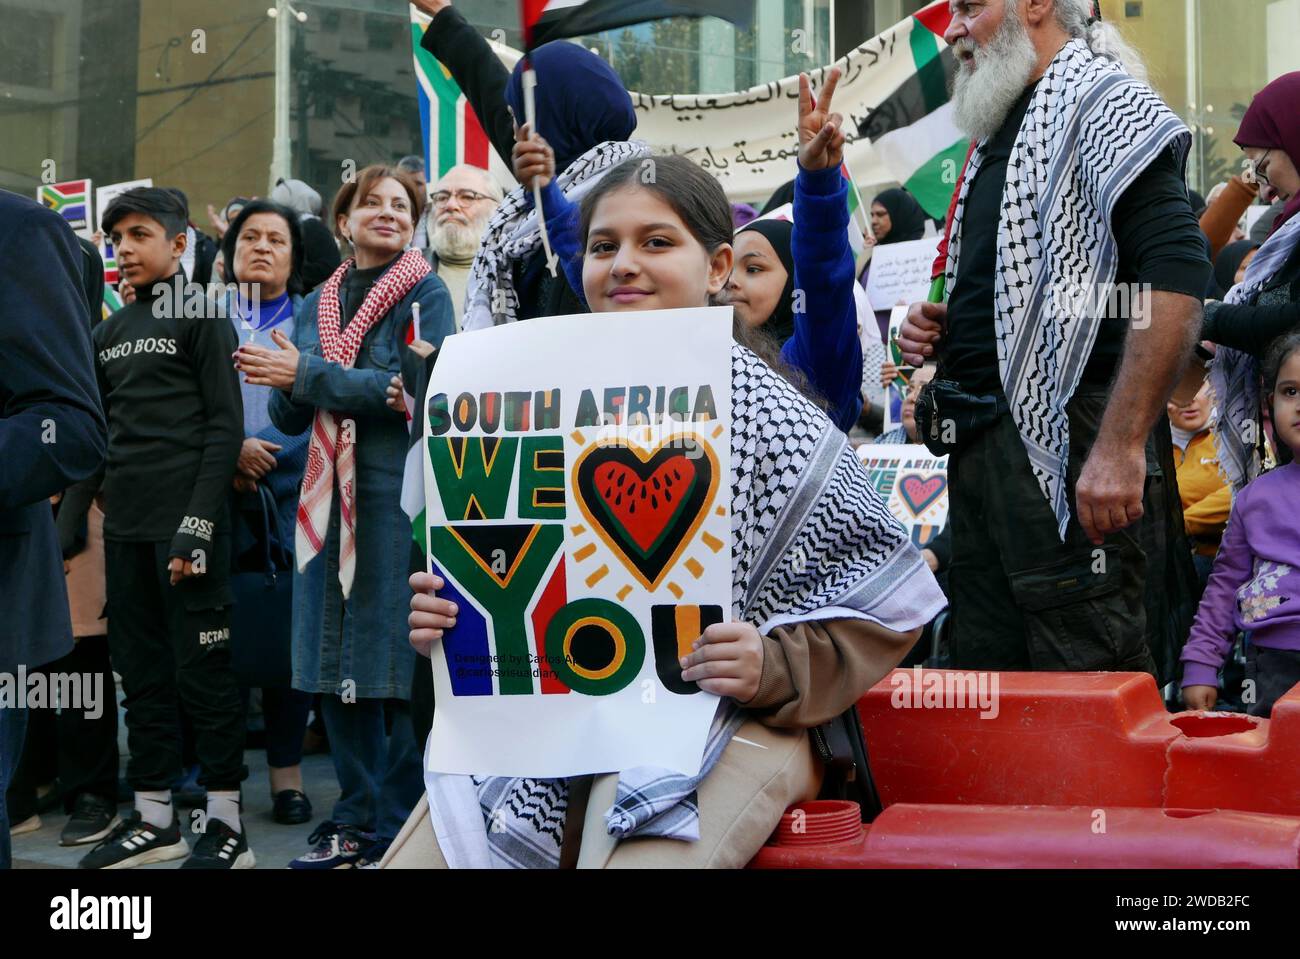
point(530, 115)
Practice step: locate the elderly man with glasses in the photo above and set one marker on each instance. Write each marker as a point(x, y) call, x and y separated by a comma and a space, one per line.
point(463, 201)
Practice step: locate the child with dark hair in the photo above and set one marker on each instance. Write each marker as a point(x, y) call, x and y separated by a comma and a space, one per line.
point(841, 600)
point(175, 427)
point(1255, 584)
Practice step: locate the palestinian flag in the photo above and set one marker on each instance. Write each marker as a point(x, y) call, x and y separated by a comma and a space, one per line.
point(70, 200)
point(546, 20)
point(859, 224)
point(912, 133)
point(451, 132)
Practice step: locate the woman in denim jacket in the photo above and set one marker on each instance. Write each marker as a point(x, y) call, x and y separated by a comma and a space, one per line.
point(353, 540)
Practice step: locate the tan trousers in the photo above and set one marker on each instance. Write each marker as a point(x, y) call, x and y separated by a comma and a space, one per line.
point(760, 773)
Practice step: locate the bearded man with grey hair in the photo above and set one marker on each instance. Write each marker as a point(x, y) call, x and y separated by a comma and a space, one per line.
point(461, 203)
point(1074, 276)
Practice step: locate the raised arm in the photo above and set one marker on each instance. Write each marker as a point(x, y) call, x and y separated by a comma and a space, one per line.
point(1222, 216)
point(479, 73)
point(532, 159)
point(825, 343)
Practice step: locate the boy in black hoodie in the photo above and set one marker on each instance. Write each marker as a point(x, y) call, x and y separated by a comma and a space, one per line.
point(175, 427)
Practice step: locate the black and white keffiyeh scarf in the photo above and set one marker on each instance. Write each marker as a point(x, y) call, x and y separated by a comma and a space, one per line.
point(811, 539)
point(1234, 376)
point(513, 234)
point(1090, 130)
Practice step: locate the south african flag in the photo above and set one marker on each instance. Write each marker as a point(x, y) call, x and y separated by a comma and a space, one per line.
point(70, 200)
point(111, 273)
point(451, 132)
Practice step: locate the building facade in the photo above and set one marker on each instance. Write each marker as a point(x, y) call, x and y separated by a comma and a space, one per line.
point(184, 90)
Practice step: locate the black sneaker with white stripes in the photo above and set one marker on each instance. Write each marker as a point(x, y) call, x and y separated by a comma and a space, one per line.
point(135, 842)
point(220, 848)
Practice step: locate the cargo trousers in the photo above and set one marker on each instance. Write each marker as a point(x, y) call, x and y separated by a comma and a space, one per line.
point(1021, 599)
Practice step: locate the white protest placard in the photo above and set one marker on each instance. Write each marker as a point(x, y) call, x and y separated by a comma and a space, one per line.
point(577, 496)
point(105, 194)
point(900, 272)
point(913, 482)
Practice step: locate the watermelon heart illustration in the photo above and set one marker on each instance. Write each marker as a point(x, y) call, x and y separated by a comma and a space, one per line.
point(646, 506)
point(919, 493)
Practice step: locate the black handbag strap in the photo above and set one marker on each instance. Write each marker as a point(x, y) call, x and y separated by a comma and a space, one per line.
point(271, 544)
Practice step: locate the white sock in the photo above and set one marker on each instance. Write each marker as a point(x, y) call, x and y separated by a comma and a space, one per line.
point(155, 807)
point(224, 805)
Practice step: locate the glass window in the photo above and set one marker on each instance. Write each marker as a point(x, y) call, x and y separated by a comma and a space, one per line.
point(1207, 59)
point(31, 62)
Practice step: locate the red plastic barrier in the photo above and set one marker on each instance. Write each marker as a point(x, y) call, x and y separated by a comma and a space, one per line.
point(1238, 762)
point(843, 855)
point(1053, 739)
point(820, 822)
point(1038, 837)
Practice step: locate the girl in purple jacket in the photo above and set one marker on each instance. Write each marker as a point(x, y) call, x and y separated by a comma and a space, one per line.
point(1255, 584)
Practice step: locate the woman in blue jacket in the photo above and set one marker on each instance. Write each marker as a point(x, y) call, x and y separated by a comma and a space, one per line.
point(352, 539)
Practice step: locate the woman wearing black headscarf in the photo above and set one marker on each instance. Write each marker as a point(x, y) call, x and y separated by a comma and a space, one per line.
point(761, 289)
point(896, 217)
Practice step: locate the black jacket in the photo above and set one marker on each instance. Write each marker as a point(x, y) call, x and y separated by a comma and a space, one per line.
point(205, 254)
point(1251, 328)
point(52, 431)
point(482, 77)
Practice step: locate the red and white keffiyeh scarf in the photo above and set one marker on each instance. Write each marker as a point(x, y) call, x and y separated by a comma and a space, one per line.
point(332, 449)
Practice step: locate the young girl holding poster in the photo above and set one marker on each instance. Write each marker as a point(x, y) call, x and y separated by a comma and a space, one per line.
point(830, 594)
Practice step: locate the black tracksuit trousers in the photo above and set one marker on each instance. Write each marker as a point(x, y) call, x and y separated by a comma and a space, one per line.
point(172, 644)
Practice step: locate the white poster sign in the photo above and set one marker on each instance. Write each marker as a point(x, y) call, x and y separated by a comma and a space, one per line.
point(577, 493)
point(900, 272)
point(105, 194)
